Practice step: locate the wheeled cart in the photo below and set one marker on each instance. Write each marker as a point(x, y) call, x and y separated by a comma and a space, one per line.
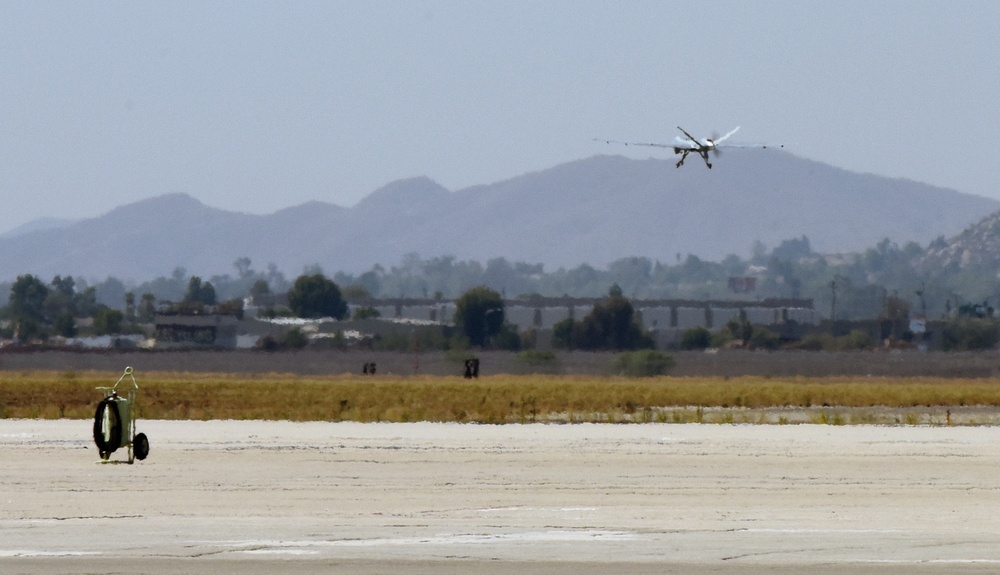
point(114, 421)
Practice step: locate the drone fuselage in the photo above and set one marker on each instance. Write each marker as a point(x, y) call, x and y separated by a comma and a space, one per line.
point(698, 148)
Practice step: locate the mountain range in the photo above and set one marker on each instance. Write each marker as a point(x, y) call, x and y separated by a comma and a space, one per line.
point(592, 211)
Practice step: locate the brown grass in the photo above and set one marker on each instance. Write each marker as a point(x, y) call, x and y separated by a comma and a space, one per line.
point(494, 399)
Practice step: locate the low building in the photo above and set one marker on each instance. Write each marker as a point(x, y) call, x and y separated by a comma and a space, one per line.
point(208, 330)
point(666, 320)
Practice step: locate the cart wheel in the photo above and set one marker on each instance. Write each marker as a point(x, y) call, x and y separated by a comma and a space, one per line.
point(141, 446)
point(107, 437)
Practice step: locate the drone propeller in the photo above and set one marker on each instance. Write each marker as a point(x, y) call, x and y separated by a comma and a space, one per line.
point(713, 141)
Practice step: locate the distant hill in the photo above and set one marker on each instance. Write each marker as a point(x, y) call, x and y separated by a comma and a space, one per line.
point(978, 246)
point(590, 211)
point(38, 225)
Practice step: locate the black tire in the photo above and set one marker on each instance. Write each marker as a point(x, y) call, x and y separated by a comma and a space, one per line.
point(140, 446)
point(115, 433)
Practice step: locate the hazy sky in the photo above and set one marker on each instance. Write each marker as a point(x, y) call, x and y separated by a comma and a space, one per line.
point(257, 106)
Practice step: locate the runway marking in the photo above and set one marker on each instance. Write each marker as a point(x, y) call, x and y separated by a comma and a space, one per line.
point(280, 552)
point(516, 508)
point(776, 530)
point(936, 561)
point(30, 553)
point(262, 545)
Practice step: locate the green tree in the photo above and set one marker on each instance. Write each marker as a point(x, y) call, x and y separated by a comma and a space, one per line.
point(147, 308)
point(243, 268)
point(130, 307)
point(108, 321)
point(315, 296)
point(479, 314)
point(110, 292)
point(562, 334)
point(65, 325)
point(792, 250)
point(61, 298)
point(260, 287)
point(26, 305)
point(85, 302)
point(200, 292)
point(27, 330)
point(612, 324)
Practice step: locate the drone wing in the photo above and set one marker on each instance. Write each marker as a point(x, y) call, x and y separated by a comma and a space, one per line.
point(650, 144)
point(690, 137)
point(719, 144)
point(724, 138)
point(750, 145)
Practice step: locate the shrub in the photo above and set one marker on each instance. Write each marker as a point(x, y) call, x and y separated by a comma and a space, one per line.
point(644, 363)
point(233, 307)
point(857, 339)
point(696, 338)
point(763, 338)
point(507, 338)
point(268, 343)
point(721, 339)
point(366, 312)
point(811, 342)
point(970, 334)
point(295, 339)
point(539, 361)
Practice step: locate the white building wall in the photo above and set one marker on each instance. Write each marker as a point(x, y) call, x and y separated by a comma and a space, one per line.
point(553, 315)
point(722, 316)
point(688, 317)
point(802, 315)
point(655, 317)
point(386, 311)
point(522, 317)
point(763, 316)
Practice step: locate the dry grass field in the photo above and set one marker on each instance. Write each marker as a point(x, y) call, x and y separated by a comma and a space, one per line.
point(498, 399)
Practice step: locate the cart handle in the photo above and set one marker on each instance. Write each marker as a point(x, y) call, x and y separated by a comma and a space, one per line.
point(113, 389)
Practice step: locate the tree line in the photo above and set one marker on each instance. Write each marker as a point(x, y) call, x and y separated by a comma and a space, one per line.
point(883, 281)
point(37, 311)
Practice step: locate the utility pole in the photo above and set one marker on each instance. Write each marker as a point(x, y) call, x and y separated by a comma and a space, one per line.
point(923, 303)
point(833, 300)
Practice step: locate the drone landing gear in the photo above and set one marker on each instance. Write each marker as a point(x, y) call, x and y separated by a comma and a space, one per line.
point(704, 156)
point(684, 155)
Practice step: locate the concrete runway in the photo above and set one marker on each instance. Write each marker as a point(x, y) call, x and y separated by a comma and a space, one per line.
point(280, 497)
